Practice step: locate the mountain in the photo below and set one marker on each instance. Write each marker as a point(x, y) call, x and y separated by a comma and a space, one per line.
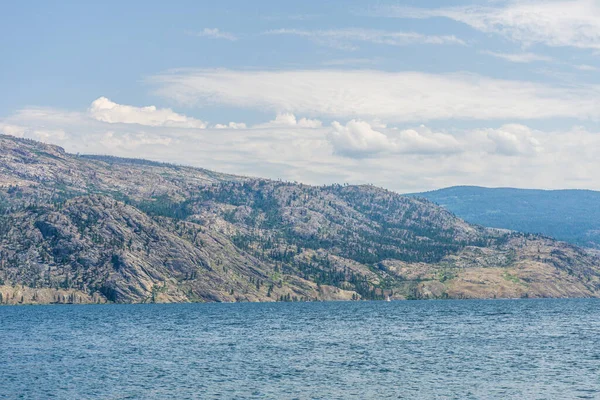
point(569, 215)
point(96, 229)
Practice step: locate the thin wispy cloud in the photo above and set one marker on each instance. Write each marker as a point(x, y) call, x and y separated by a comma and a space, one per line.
point(574, 23)
point(215, 33)
point(347, 38)
point(369, 94)
point(585, 67)
point(523, 58)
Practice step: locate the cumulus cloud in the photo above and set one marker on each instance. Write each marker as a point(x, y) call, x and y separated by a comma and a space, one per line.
point(513, 140)
point(360, 139)
point(231, 125)
point(523, 58)
point(573, 23)
point(423, 140)
point(343, 38)
point(105, 110)
point(390, 96)
point(215, 33)
point(289, 120)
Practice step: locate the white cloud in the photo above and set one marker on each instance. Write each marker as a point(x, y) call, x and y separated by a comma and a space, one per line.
point(422, 140)
point(289, 120)
point(524, 58)
point(390, 96)
point(215, 33)
point(513, 140)
point(343, 38)
point(105, 110)
point(359, 139)
point(231, 125)
point(573, 23)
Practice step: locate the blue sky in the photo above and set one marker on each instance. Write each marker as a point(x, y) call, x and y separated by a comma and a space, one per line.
point(410, 95)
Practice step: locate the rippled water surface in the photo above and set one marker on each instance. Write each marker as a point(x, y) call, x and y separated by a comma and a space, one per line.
point(521, 349)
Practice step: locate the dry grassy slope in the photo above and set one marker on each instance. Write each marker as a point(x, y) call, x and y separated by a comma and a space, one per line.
point(526, 266)
point(187, 234)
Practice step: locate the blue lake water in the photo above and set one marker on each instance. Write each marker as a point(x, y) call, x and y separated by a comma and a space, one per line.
point(521, 349)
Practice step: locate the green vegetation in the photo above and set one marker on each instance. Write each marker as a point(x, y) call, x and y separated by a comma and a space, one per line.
point(510, 277)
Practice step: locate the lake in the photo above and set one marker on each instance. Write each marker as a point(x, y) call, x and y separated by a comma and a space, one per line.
point(521, 349)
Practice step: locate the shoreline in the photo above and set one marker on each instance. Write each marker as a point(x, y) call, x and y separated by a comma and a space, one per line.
point(297, 302)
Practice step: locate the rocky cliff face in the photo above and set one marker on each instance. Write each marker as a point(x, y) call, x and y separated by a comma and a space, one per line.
point(102, 229)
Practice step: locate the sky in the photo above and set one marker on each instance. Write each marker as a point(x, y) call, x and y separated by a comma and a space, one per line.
point(410, 95)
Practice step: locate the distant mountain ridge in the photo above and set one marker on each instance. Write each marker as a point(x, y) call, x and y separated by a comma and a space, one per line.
point(97, 229)
point(571, 215)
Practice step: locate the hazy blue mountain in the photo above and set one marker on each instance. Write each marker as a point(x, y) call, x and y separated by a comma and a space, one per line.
point(569, 215)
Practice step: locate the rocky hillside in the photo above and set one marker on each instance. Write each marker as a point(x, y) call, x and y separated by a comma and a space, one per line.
point(93, 229)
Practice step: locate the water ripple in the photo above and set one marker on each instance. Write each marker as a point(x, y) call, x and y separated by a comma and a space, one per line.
point(534, 349)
